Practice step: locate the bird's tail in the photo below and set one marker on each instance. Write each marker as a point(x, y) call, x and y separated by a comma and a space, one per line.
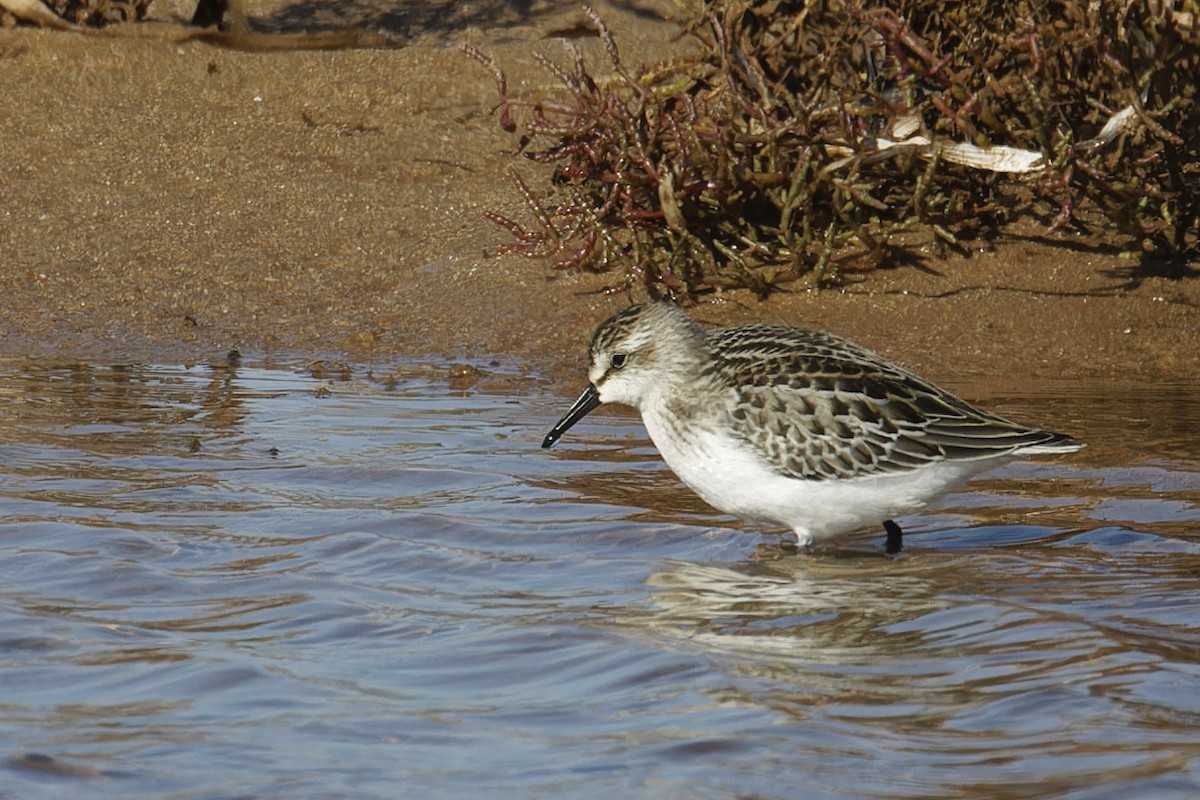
point(1054, 443)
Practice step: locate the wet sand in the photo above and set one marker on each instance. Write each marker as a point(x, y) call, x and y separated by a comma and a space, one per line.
point(170, 200)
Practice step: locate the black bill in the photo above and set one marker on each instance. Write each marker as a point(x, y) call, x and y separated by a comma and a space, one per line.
point(586, 402)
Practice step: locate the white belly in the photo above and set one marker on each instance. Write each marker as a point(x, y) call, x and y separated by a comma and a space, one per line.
point(729, 476)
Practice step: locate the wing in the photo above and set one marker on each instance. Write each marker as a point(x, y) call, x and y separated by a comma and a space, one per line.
point(818, 407)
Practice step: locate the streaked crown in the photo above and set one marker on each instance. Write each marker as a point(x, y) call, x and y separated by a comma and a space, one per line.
point(642, 348)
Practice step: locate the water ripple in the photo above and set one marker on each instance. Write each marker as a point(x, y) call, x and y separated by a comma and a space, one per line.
point(224, 581)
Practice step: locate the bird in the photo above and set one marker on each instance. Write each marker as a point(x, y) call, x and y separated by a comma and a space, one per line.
point(794, 427)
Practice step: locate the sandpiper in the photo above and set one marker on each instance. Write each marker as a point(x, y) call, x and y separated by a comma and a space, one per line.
point(794, 427)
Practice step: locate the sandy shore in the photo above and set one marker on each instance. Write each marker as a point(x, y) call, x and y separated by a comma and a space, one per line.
point(168, 200)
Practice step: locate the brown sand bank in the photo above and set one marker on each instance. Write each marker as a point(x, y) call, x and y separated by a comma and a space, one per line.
point(169, 200)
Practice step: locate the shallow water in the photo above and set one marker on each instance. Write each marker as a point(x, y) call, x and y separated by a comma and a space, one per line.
point(220, 581)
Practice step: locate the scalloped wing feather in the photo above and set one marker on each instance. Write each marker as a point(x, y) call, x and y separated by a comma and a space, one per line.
point(820, 407)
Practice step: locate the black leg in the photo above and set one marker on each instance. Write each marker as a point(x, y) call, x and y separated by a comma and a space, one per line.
point(895, 537)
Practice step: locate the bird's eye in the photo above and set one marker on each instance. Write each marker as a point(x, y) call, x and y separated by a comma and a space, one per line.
point(618, 360)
